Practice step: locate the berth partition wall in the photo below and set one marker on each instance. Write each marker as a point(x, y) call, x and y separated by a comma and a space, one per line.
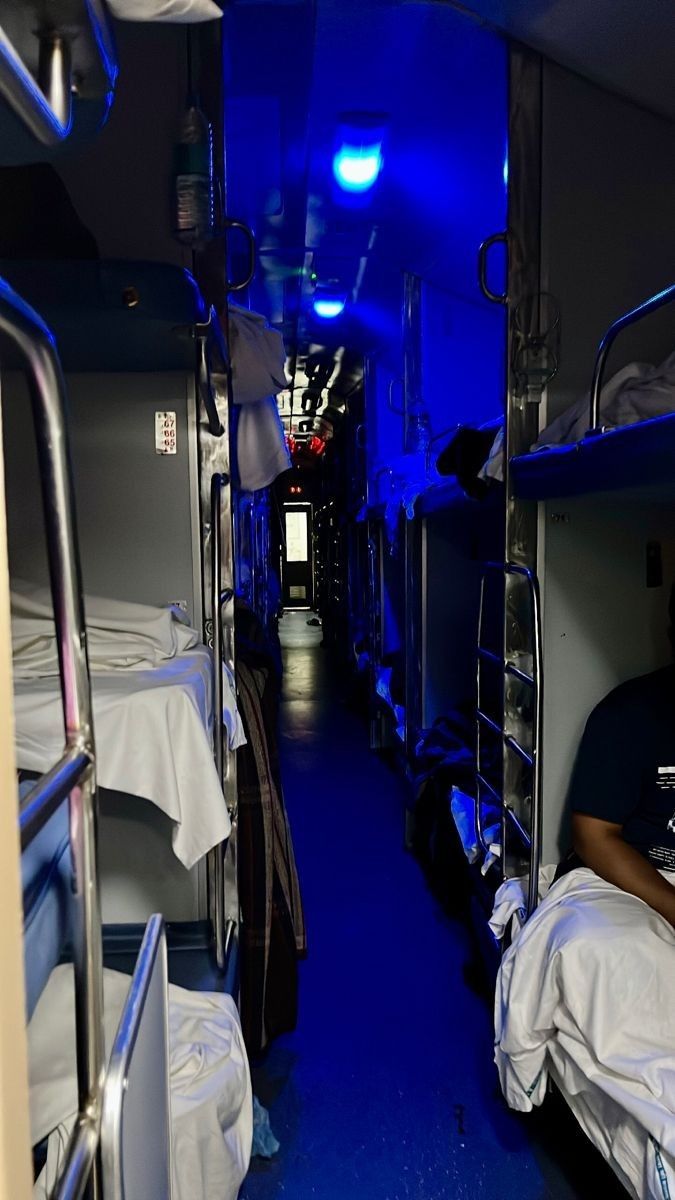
point(132, 339)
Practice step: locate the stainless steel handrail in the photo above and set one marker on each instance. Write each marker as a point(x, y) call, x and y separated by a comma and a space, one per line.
point(537, 731)
point(22, 326)
point(667, 296)
point(222, 657)
point(531, 841)
point(154, 943)
point(48, 117)
point(49, 793)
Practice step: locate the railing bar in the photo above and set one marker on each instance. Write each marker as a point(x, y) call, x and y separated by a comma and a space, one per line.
point(516, 747)
point(487, 721)
point(490, 788)
point(667, 296)
point(516, 672)
point(49, 793)
point(80, 1157)
point(518, 826)
point(490, 656)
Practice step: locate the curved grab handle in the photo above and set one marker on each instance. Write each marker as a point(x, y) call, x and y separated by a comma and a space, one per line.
point(399, 412)
point(483, 250)
point(248, 234)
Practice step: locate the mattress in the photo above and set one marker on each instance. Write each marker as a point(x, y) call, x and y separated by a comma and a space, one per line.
point(46, 885)
point(585, 992)
point(153, 734)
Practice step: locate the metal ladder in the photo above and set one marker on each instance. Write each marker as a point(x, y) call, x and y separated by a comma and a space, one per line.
point(520, 796)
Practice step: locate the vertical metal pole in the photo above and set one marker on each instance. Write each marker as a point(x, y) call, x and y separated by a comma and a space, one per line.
point(412, 351)
point(522, 415)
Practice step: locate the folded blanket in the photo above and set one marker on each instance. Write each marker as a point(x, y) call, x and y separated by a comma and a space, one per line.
point(120, 635)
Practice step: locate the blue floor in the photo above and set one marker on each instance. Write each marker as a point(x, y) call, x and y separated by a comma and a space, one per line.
point(386, 1090)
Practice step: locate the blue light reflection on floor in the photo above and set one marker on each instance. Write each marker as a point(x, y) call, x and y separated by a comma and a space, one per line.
point(386, 1090)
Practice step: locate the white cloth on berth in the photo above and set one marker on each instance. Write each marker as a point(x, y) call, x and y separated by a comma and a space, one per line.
point(637, 392)
point(180, 12)
point(154, 739)
point(211, 1099)
point(262, 453)
point(587, 987)
point(120, 635)
point(511, 900)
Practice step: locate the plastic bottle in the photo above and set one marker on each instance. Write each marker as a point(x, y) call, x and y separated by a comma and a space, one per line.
point(193, 177)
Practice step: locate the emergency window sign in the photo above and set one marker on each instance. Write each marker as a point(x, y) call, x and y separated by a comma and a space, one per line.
point(165, 432)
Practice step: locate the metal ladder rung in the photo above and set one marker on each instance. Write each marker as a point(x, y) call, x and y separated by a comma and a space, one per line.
point(490, 656)
point(483, 782)
point(517, 749)
point(518, 826)
point(516, 672)
point(489, 723)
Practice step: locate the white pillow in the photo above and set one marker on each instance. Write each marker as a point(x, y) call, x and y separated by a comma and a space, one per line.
point(184, 12)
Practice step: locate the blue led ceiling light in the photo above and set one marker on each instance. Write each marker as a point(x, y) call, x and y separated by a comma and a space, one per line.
point(356, 168)
point(328, 307)
point(357, 161)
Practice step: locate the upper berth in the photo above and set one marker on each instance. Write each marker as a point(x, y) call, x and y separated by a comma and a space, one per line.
point(633, 456)
point(637, 450)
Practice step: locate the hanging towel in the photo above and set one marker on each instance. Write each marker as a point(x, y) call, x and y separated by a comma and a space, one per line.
point(262, 453)
point(258, 357)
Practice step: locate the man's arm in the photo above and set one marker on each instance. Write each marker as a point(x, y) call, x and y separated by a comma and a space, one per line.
point(601, 846)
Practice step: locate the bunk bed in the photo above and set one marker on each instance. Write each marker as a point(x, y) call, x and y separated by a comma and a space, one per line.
point(61, 911)
point(137, 339)
point(583, 992)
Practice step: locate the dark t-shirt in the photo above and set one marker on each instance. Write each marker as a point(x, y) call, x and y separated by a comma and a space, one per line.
point(625, 769)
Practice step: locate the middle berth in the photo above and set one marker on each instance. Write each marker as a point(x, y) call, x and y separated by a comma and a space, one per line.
point(152, 686)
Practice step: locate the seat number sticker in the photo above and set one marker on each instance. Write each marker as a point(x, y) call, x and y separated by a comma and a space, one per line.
point(165, 432)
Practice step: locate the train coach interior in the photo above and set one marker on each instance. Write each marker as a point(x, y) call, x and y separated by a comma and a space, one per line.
point(337, 388)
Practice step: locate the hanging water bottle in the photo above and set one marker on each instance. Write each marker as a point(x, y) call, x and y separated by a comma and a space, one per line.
point(193, 178)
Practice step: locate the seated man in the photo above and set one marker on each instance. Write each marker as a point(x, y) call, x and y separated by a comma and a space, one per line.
point(623, 788)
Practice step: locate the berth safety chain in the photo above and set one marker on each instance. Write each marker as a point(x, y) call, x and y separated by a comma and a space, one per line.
point(513, 808)
point(74, 775)
point(667, 296)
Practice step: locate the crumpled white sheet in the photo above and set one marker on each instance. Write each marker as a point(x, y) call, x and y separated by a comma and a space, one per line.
point(211, 1099)
point(120, 635)
point(587, 987)
point(511, 900)
point(153, 739)
point(637, 392)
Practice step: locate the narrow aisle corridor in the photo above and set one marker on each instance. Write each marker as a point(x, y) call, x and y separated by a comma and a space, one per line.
point(386, 1089)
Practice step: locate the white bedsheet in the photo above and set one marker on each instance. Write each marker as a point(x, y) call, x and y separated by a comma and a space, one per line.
point(153, 739)
point(211, 1101)
point(120, 635)
point(588, 989)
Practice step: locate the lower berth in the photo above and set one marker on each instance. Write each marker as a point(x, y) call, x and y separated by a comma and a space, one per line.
point(585, 998)
point(211, 1101)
